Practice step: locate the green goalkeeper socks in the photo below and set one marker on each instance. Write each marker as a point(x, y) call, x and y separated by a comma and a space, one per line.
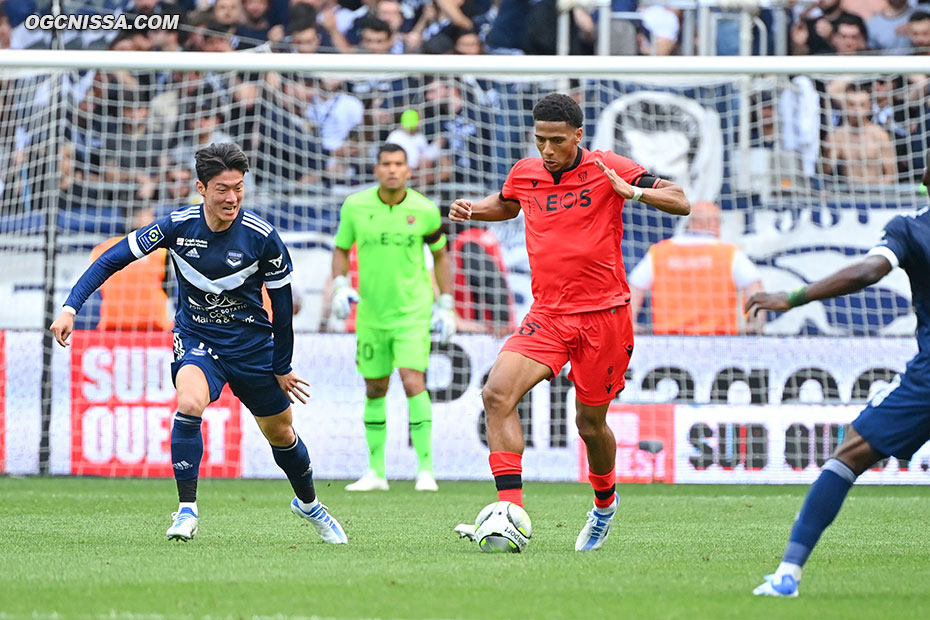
point(421, 429)
point(375, 418)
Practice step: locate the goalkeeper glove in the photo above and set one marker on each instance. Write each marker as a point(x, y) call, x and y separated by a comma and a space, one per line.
point(444, 318)
point(343, 296)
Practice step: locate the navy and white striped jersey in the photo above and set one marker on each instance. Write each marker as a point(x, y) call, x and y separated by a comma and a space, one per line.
point(906, 244)
point(220, 276)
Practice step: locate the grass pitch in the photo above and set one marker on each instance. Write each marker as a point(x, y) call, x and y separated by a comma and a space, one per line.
point(95, 548)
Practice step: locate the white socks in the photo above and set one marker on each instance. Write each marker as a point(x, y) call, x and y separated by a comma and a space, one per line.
point(789, 569)
point(307, 507)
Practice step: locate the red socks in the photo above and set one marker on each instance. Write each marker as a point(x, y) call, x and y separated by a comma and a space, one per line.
point(507, 469)
point(604, 488)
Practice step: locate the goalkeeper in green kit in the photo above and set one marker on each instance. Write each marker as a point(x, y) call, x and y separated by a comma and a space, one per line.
point(389, 224)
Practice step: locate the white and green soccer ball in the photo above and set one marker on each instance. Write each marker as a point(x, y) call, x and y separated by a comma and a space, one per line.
point(503, 527)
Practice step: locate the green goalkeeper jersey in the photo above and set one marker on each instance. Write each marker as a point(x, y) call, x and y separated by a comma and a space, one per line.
point(394, 284)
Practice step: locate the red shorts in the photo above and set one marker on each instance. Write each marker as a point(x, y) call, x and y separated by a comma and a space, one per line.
point(599, 345)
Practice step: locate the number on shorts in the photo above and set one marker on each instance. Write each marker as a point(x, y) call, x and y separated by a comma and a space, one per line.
point(365, 351)
point(529, 328)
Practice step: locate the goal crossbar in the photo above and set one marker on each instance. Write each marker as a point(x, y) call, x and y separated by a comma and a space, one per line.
point(450, 65)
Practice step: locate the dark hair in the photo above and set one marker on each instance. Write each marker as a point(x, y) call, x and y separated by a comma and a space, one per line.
point(918, 16)
point(216, 158)
point(858, 87)
point(558, 107)
point(371, 22)
point(390, 147)
point(218, 30)
point(301, 17)
point(439, 43)
point(851, 20)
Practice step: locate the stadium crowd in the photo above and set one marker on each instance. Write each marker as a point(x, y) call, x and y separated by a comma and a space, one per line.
point(467, 26)
point(459, 145)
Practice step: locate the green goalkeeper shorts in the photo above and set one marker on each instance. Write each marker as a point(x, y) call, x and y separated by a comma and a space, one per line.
point(379, 351)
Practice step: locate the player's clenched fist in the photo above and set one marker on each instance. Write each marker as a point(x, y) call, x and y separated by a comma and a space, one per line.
point(460, 210)
point(343, 296)
point(62, 328)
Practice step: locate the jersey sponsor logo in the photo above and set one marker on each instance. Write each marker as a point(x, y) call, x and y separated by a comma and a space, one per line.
point(399, 239)
point(193, 253)
point(234, 258)
point(276, 262)
point(191, 242)
point(564, 201)
point(268, 274)
point(150, 238)
point(216, 309)
point(222, 301)
point(410, 220)
point(212, 301)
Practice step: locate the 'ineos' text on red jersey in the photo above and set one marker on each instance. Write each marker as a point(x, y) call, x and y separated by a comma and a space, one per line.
point(573, 231)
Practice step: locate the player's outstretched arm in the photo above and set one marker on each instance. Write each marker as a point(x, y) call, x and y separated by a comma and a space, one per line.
point(108, 263)
point(492, 208)
point(847, 280)
point(666, 196)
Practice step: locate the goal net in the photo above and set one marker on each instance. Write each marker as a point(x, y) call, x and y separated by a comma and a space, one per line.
point(796, 174)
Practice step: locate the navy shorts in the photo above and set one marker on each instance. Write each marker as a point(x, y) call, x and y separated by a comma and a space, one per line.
point(251, 378)
point(896, 422)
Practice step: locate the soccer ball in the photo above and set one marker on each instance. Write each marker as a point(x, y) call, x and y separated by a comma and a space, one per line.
point(503, 527)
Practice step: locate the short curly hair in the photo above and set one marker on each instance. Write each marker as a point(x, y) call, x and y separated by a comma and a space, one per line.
point(558, 107)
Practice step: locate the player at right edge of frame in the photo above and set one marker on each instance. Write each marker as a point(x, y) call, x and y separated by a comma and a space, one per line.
point(896, 420)
point(572, 200)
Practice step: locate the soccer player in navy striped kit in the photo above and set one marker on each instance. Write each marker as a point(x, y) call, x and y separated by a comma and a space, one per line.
point(222, 256)
point(896, 421)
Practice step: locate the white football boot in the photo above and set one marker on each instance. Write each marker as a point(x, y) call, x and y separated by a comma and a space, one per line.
point(184, 526)
point(426, 482)
point(327, 527)
point(465, 530)
point(783, 586)
point(369, 482)
point(596, 529)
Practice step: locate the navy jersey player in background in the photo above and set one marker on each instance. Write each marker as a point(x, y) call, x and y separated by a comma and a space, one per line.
point(896, 421)
point(222, 255)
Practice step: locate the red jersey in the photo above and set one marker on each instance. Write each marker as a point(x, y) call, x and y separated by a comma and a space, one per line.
point(573, 231)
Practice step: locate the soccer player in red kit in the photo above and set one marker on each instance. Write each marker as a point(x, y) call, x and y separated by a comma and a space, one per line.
point(571, 199)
